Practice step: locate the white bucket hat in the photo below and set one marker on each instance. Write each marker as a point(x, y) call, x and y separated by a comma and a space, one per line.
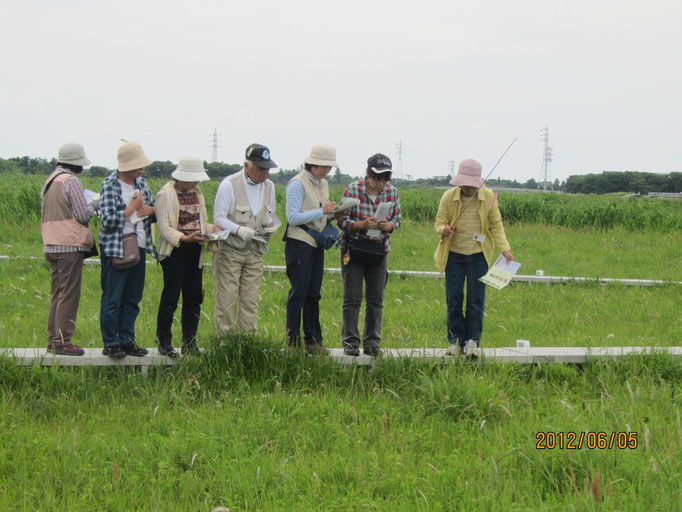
point(131, 156)
point(72, 153)
point(190, 169)
point(322, 155)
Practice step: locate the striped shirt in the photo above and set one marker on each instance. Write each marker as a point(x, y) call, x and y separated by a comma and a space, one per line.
point(295, 195)
point(469, 222)
point(367, 208)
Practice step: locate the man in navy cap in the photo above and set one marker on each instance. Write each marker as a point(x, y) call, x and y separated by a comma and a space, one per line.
point(244, 204)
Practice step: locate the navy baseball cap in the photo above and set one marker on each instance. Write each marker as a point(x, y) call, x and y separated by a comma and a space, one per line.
point(260, 155)
point(379, 163)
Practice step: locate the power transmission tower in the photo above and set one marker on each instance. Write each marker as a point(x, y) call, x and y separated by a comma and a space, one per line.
point(214, 145)
point(451, 168)
point(400, 151)
point(545, 181)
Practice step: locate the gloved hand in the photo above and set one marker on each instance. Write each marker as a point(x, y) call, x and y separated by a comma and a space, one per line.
point(245, 233)
point(94, 204)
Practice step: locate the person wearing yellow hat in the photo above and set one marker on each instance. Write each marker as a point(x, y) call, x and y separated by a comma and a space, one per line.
point(127, 212)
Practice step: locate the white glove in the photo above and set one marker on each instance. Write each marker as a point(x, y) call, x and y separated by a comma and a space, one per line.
point(245, 233)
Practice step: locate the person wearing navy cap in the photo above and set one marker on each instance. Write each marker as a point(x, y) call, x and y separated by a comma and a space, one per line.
point(244, 204)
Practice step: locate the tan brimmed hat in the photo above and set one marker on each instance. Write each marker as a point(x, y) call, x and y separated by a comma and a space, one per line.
point(468, 175)
point(190, 169)
point(131, 156)
point(72, 153)
point(322, 155)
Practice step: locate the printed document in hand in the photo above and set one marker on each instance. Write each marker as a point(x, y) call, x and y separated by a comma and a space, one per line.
point(275, 224)
point(346, 204)
point(217, 236)
point(381, 214)
point(134, 219)
point(90, 196)
point(501, 273)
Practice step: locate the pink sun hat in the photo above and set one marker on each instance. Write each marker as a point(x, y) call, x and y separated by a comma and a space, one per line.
point(468, 175)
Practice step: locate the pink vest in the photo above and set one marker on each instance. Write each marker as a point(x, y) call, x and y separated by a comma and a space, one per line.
point(59, 227)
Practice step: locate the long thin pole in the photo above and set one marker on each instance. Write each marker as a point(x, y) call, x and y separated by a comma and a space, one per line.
point(442, 238)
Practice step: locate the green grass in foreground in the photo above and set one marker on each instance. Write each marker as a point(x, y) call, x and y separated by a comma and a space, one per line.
point(250, 429)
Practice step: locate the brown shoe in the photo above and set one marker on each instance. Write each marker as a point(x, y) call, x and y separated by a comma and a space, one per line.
point(65, 349)
point(316, 349)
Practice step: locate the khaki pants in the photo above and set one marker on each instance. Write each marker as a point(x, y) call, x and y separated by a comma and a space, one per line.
point(237, 276)
point(66, 271)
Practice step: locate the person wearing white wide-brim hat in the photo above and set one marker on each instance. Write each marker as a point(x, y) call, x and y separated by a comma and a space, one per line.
point(66, 241)
point(470, 226)
point(182, 221)
point(245, 210)
point(308, 205)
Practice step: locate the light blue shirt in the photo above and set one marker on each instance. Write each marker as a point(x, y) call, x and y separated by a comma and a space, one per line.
point(295, 196)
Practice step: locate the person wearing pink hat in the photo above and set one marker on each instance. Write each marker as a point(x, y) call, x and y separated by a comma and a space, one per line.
point(470, 226)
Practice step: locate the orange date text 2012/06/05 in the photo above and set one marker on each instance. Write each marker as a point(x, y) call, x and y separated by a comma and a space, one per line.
point(590, 440)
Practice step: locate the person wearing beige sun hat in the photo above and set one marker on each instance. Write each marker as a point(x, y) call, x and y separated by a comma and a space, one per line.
point(308, 206)
point(182, 222)
point(66, 242)
point(470, 226)
point(127, 211)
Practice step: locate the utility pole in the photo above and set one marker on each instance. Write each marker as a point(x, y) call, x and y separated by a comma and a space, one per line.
point(400, 151)
point(214, 146)
point(545, 181)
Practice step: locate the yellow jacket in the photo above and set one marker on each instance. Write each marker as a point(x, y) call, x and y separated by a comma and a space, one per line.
point(451, 205)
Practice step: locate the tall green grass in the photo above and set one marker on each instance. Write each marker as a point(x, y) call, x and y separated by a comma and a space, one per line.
point(20, 200)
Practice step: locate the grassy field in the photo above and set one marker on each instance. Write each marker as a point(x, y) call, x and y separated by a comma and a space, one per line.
point(248, 428)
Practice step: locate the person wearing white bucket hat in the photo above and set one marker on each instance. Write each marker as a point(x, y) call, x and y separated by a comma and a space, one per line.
point(181, 218)
point(67, 239)
point(244, 207)
point(127, 211)
point(470, 225)
point(308, 205)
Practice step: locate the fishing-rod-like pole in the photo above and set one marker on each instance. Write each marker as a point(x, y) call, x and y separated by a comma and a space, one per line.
point(481, 185)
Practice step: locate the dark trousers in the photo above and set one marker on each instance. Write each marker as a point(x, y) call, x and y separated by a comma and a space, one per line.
point(374, 277)
point(121, 296)
point(181, 274)
point(460, 267)
point(305, 265)
point(66, 271)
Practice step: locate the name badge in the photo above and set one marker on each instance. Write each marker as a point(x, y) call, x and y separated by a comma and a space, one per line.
point(479, 237)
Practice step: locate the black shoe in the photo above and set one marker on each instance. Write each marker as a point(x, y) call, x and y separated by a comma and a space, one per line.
point(132, 349)
point(190, 348)
point(355, 352)
point(114, 352)
point(168, 351)
point(372, 351)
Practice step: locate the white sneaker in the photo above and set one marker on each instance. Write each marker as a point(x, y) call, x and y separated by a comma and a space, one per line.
point(471, 349)
point(452, 350)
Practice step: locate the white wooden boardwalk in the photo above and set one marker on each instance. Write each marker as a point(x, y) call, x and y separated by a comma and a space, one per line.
point(528, 355)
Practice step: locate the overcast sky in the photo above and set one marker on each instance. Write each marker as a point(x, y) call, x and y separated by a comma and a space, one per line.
point(452, 80)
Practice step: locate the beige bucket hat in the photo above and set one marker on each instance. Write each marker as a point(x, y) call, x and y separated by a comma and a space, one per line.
point(131, 156)
point(190, 169)
point(468, 175)
point(73, 153)
point(322, 155)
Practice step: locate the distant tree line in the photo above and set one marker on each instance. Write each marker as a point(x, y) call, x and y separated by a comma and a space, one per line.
point(630, 181)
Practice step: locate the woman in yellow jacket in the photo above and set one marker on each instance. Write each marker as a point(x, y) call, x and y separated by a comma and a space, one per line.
point(470, 225)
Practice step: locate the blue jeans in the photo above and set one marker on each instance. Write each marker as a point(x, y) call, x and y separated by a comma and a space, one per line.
point(120, 305)
point(460, 267)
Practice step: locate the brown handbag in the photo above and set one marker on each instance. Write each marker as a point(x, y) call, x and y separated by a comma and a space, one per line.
point(131, 253)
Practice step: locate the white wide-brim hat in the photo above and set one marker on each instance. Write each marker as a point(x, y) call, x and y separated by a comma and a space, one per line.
point(73, 153)
point(322, 155)
point(468, 175)
point(190, 169)
point(131, 156)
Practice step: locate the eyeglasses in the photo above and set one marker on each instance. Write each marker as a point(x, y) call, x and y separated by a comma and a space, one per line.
point(386, 177)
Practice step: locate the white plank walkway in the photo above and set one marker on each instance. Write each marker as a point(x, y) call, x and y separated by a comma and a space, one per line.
point(438, 275)
point(529, 355)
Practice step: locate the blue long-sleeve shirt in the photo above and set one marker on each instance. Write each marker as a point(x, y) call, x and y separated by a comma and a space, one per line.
point(295, 195)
